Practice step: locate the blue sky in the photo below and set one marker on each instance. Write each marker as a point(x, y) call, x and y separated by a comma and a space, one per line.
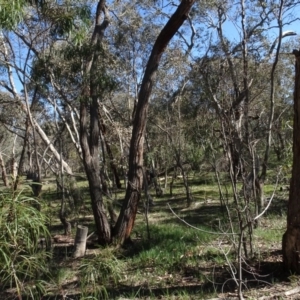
point(233, 32)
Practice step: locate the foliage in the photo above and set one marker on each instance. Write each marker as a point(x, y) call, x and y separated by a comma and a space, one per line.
point(23, 264)
point(97, 272)
point(11, 13)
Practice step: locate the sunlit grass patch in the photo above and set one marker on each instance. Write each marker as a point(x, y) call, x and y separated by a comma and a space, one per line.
point(171, 249)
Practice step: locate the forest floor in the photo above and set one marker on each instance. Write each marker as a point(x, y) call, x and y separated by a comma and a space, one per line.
point(183, 253)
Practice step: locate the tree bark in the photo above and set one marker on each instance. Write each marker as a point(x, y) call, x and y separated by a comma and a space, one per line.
point(22, 156)
point(63, 212)
point(3, 171)
point(291, 238)
point(128, 212)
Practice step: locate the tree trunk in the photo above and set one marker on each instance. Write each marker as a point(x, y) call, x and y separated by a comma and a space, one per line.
point(158, 189)
point(22, 156)
point(281, 35)
point(3, 171)
point(109, 152)
point(291, 238)
point(90, 151)
point(14, 165)
point(189, 197)
point(90, 131)
point(112, 164)
point(128, 212)
point(61, 179)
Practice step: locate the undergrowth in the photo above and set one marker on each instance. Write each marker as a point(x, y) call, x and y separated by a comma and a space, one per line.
point(170, 261)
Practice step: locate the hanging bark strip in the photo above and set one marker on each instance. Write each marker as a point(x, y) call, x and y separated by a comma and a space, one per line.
point(128, 212)
point(291, 238)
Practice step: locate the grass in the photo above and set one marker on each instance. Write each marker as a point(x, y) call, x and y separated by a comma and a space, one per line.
point(177, 262)
point(21, 225)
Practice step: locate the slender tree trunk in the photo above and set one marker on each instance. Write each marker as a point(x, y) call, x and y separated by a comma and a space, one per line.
point(174, 176)
point(158, 189)
point(112, 164)
point(189, 197)
point(166, 178)
point(22, 157)
point(291, 238)
point(90, 151)
point(109, 152)
point(263, 175)
point(128, 212)
point(3, 171)
point(63, 212)
point(14, 165)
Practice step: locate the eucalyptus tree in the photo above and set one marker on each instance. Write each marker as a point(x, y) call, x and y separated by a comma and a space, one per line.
point(94, 87)
point(91, 97)
point(22, 42)
point(128, 212)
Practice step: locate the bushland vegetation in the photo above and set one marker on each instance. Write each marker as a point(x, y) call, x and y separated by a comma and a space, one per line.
point(149, 149)
point(176, 251)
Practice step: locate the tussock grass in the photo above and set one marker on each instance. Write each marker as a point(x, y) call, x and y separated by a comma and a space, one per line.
point(23, 265)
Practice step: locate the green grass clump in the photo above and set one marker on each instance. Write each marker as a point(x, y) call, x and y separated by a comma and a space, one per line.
point(21, 259)
point(98, 272)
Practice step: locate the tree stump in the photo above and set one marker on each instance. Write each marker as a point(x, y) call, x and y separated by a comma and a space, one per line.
point(80, 241)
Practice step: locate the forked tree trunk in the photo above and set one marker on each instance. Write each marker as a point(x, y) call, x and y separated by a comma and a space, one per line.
point(291, 238)
point(90, 131)
point(128, 212)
